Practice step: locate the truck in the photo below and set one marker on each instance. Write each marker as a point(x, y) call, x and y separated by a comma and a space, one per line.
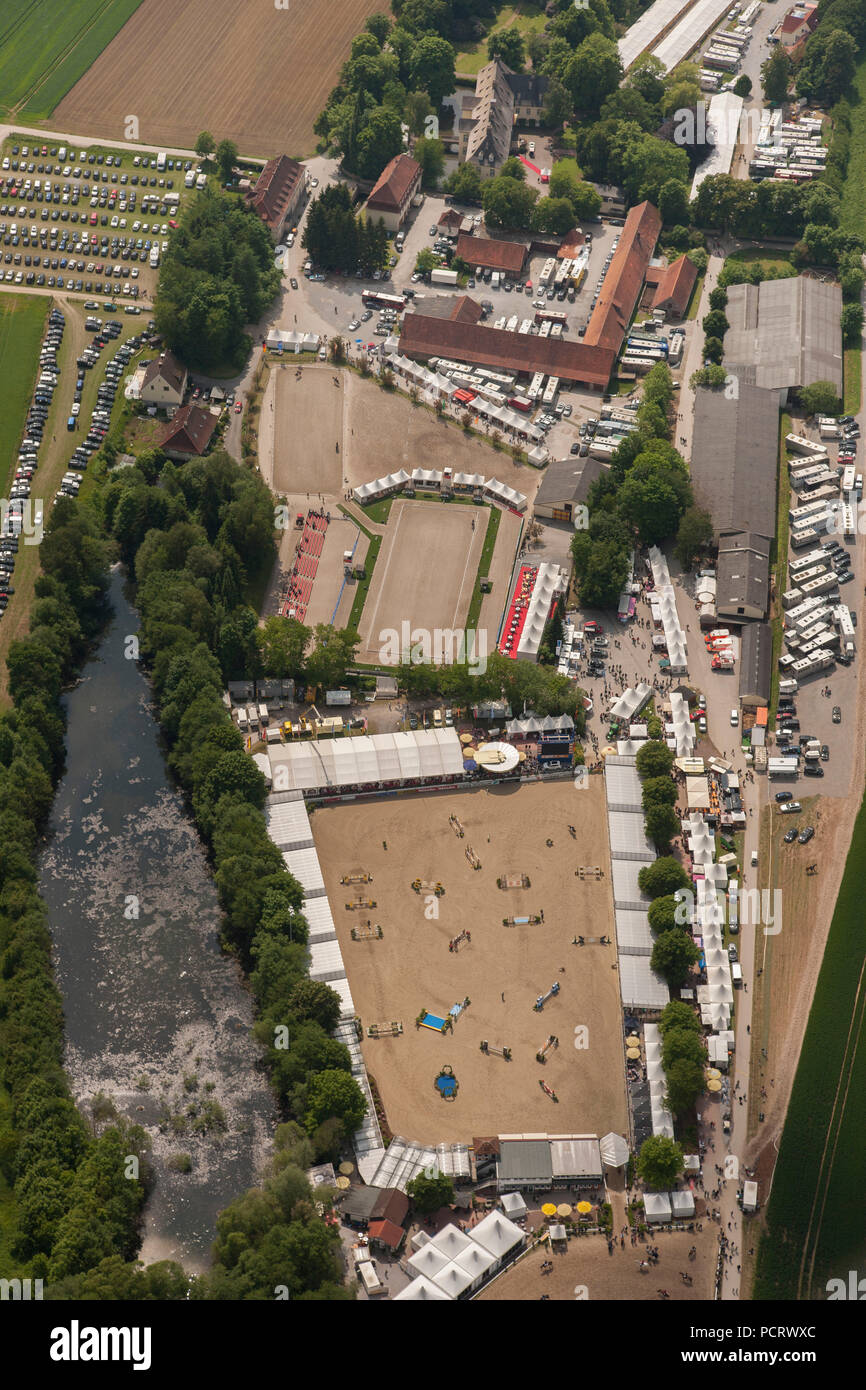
point(338, 697)
point(782, 767)
point(443, 277)
point(495, 280)
point(160, 161)
point(796, 444)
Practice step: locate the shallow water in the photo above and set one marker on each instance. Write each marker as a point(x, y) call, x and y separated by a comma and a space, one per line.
point(135, 920)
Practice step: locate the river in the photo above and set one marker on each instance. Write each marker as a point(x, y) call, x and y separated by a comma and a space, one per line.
point(156, 1017)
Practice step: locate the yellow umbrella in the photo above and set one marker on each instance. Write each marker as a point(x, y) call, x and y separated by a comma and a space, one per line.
point(714, 1085)
point(713, 1073)
point(347, 1168)
point(465, 738)
point(548, 1209)
point(633, 1053)
point(564, 1209)
point(584, 1208)
point(521, 757)
point(343, 1183)
point(632, 1040)
point(606, 752)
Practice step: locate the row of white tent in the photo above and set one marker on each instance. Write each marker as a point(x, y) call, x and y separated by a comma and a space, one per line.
point(432, 478)
point(289, 340)
point(366, 760)
point(716, 997)
point(550, 580)
point(289, 827)
point(663, 605)
point(640, 986)
point(454, 1263)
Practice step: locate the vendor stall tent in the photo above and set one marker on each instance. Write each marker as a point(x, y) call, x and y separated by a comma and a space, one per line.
point(657, 1208)
point(513, 1205)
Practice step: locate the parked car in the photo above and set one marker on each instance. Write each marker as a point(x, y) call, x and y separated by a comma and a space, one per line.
point(806, 835)
point(789, 837)
point(837, 715)
point(784, 796)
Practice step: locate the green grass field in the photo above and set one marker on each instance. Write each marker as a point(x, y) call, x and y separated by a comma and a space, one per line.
point(22, 319)
point(816, 1219)
point(854, 191)
point(527, 17)
point(853, 362)
point(45, 47)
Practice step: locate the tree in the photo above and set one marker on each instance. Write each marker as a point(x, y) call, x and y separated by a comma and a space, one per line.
point(430, 1192)
point(654, 760)
point(226, 159)
point(715, 324)
point(661, 825)
point(776, 75)
point(314, 1000)
point(695, 535)
point(658, 791)
point(828, 67)
point(465, 184)
point(513, 168)
point(660, 1162)
point(718, 297)
point(662, 914)
point(558, 105)
point(205, 144)
point(380, 139)
point(743, 86)
point(852, 324)
point(433, 67)
point(714, 350)
point(508, 203)
point(820, 398)
point(554, 215)
point(663, 877)
point(334, 1093)
point(678, 1014)
point(685, 1081)
point(508, 45)
point(673, 956)
point(379, 25)
point(593, 72)
point(683, 1043)
point(430, 154)
point(674, 203)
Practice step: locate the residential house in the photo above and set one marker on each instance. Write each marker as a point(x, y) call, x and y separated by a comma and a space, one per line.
point(392, 194)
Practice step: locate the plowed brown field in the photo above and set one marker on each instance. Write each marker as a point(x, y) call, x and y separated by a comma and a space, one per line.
point(248, 72)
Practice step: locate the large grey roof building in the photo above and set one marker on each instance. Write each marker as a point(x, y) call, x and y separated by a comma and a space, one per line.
point(790, 331)
point(756, 665)
point(742, 575)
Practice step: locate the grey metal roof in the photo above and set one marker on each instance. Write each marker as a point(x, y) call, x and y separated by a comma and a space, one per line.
point(743, 574)
point(525, 1160)
point(568, 480)
point(756, 662)
point(734, 452)
point(790, 330)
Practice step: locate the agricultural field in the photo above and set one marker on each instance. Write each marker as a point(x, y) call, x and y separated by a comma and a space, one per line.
point(45, 48)
point(817, 1211)
point(259, 78)
point(22, 319)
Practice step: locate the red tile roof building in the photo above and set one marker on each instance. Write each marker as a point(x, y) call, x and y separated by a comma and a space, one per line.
point(674, 287)
point(278, 193)
point(425, 336)
point(623, 283)
point(188, 433)
point(394, 190)
point(506, 256)
point(164, 381)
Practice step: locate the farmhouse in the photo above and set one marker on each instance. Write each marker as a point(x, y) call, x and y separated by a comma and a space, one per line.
point(674, 288)
point(797, 25)
point(509, 257)
point(424, 336)
point(623, 283)
point(278, 194)
point(501, 97)
point(394, 190)
point(164, 381)
point(188, 433)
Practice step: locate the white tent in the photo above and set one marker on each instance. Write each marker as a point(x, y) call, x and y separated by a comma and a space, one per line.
point(657, 1207)
point(497, 1234)
point(513, 1205)
point(476, 1261)
point(428, 1260)
point(453, 1279)
point(682, 1205)
point(421, 1290)
point(614, 1151)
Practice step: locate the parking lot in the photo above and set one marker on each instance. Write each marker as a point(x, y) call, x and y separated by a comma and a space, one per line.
point(90, 220)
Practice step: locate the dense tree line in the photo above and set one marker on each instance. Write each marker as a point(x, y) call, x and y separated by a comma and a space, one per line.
point(337, 239)
point(217, 275)
point(74, 1201)
point(641, 499)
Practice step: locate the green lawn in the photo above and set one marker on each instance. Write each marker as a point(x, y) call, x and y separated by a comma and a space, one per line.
point(528, 18)
point(493, 520)
point(817, 1209)
point(854, 190)
point(22, 321)
point(853, 370)
point(379, 511)
point(364, 584)
point(45, 47)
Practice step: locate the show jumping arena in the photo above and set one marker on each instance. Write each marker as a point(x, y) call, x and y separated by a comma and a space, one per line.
point(412, 975)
